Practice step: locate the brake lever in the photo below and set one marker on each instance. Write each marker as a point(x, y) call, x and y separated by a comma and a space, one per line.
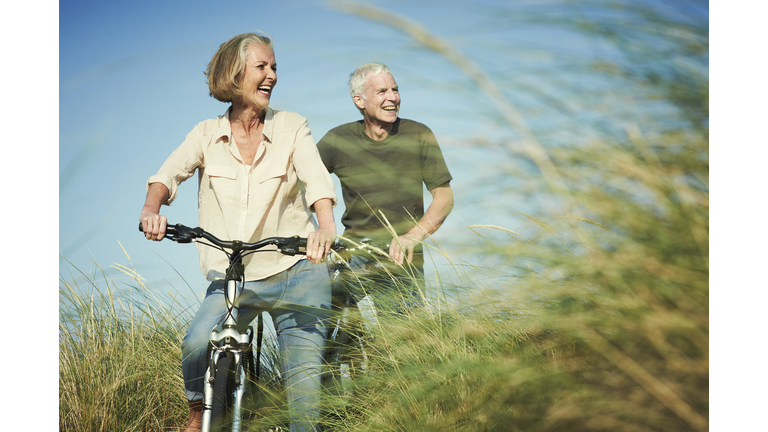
point(291, 246)
point(182, 234)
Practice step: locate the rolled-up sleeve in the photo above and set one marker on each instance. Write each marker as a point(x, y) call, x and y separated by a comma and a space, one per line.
point(181, 164)
point(310, 168)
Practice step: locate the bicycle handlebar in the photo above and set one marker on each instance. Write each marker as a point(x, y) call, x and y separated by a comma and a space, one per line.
point(287, 245)
point(184, 234)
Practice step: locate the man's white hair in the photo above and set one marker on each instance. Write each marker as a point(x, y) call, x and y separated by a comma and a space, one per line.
point(358, 77)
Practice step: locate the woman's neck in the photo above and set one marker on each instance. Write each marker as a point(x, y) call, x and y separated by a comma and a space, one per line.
point(247, 118)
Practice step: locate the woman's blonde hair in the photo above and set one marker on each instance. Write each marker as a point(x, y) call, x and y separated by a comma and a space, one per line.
point(225, 71)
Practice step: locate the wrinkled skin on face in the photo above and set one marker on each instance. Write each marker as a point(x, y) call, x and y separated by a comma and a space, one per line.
point(259, 77)
point(381, 102)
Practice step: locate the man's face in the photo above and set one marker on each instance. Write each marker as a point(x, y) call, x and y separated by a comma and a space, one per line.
point(382, 99)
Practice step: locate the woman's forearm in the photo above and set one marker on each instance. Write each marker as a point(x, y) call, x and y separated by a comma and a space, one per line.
point(324, 211)
point(157, 194)
point(152, 223)
point(319, 242)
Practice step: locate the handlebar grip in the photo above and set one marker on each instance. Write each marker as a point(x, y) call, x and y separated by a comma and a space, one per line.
point(169, 229)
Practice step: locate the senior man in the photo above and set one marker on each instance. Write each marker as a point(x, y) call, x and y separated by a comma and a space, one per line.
point(382, 162)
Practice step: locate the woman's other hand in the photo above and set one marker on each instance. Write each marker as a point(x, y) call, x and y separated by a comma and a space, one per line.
point(319, 242)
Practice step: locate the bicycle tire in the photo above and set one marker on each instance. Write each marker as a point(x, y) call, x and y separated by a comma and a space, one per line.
point(223, 390)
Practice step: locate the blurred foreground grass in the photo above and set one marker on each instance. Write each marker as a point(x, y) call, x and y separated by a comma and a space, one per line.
point(596, 317)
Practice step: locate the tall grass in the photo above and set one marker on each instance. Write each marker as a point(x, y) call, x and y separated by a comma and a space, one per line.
point(119, 355)
point(606, 333)
point(609, 332)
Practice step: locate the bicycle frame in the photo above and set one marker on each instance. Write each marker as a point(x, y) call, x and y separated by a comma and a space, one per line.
point(226, 339)
point(338, 337)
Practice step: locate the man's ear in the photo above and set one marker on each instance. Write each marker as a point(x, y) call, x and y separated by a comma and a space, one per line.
point(358, 101)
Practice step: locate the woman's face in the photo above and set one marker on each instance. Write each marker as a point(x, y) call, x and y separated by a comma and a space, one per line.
point(259, 77)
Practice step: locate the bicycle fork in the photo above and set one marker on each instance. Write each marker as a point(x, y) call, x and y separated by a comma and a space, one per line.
point(228, 340)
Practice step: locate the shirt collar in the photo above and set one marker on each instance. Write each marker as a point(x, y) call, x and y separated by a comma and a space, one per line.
point(225, 130)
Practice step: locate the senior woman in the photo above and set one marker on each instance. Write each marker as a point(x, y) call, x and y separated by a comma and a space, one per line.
point(260, 175)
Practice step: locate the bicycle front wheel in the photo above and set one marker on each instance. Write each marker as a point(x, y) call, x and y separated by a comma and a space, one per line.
point(223, 393)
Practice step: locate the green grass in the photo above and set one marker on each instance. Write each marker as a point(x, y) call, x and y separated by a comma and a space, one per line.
point(119, 356)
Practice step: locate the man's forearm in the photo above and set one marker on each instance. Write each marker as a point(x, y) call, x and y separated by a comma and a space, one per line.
point(437, 212)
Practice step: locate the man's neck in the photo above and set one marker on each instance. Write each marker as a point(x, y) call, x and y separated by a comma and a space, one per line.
point(377, 131)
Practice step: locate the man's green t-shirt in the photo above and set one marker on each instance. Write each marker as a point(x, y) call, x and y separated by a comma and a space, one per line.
point(384, 176)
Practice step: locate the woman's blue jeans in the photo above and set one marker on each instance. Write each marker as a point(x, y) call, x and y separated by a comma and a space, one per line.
point(299, 301)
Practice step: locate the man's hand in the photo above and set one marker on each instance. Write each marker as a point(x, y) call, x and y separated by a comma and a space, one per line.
point(402, 247)
point(438, 210)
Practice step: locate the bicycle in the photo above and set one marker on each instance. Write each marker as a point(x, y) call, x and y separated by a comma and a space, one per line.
point(231, 366)
point(340, 333)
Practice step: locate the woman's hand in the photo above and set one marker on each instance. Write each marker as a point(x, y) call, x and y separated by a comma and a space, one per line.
point(153, 225)
point(319, 243)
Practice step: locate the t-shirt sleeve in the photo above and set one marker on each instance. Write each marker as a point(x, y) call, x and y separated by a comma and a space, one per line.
point(325, 148)
point(434, 170)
